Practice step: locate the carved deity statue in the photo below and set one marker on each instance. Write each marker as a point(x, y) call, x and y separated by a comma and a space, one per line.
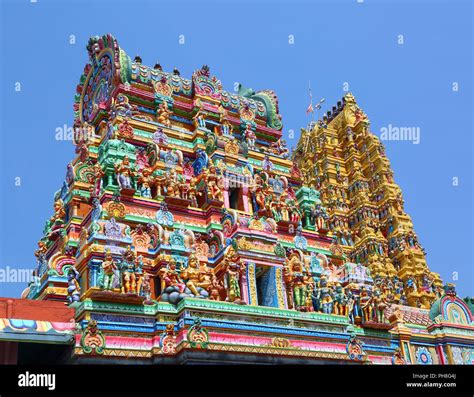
point(163, 116)
point(213, 183)
point(170, 277)
point(300, 283)
point(108, 271)
point(124, 173)
point(145, 181)
point(233, 270)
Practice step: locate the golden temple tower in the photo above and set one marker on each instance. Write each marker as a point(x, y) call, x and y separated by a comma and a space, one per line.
point(341, 158)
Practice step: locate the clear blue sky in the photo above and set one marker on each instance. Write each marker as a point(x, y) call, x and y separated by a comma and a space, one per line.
point(407, 85)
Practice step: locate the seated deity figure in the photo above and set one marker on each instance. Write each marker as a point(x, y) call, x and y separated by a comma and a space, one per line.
point(145, 181)
point(124, 173)
point(193, 276)
point(163, 116)
point(170, 278)
point(108, 271)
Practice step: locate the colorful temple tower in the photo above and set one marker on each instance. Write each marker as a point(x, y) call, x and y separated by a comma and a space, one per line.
point(185, 229)
point(347, 164)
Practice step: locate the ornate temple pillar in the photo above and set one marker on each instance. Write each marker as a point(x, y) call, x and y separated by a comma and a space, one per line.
point(281, 290)
point(94, 270)
point(251, 285)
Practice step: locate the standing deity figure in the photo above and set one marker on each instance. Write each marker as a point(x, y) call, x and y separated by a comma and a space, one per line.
point(283, 207)
point(326, 295)
point(124, 173)
point(127, 268)
point(163, 116)
point(295, 213)
point(172, 184)
point(170, 278)
point(146, 287)
point(233, 271)
point(380, 304)
point(259, 199)
point(250, 136)
point(366, 305)
point(300, 284)
point(214, 183)
point(145, 181)
point(225, 126)
point(193, 192)
point(98, 174)
point(138, 273)
point(108, 271)
point(73, 288)
point(160, 184)
point(340, 301)
point(215, 288)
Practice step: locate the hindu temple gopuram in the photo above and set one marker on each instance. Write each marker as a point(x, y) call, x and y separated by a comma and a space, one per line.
point(186, 231)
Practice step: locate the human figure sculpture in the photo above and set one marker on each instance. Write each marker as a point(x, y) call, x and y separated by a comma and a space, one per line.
point(326, 295)
point(193, 275)
point(233, 271)
point(199, 119)
point(145, 181)
point(160, 184)
point(98, 174)
point(250, 136)
point(366, 304)
point(214, 183)
point(163, 116)
point(73, 289)
point(380, 305)
point(127, 269)
point(170, 278)
point(193, 192)
point(172, 184)
point(124, 173)
point(299, 283)
point(108, 271)
point(340, 301)
point(225, 126)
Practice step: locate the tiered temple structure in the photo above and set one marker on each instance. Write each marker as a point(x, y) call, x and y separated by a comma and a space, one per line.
point(186, 231)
